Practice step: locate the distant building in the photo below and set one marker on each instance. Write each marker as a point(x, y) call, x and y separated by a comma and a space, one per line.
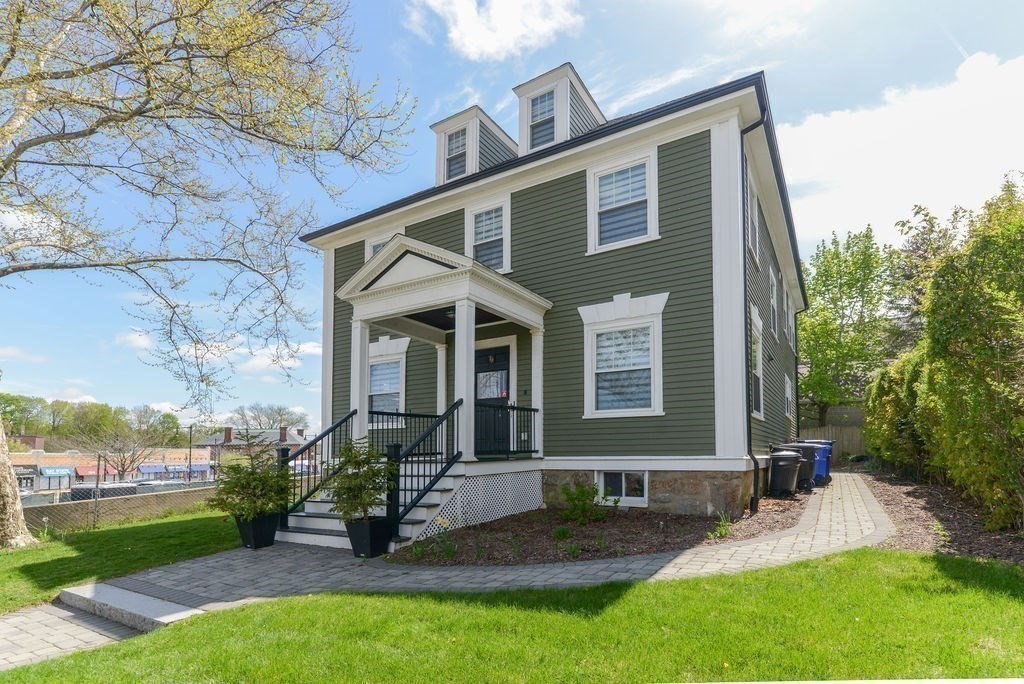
point(238, 440)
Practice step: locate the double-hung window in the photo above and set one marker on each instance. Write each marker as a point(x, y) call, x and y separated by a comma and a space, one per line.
point(773, 291)
point(623, 364)
point(790, 405)
point(487, 234)
point(386, 386)
point(455, 154)
point(622, 357)
point(790, 320)
point(623, 204)
point(542, 119)
point(756, 365)
point(753, 220)
point(387, 378)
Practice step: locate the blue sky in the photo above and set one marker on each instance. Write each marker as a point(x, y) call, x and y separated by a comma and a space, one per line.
point(880, 105)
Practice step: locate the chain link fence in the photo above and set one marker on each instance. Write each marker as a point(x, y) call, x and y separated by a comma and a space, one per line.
point(88, 506)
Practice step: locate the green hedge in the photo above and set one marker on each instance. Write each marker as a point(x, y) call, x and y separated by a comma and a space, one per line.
point(955, 404)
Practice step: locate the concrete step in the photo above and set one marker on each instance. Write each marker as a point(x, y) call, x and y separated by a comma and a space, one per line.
point(319, 505)
point(314, 537)
point(318, 521)
point(135, 610)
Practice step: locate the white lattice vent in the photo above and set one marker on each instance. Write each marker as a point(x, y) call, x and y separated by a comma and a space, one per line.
point(488, 497)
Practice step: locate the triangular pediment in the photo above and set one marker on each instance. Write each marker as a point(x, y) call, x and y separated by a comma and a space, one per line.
point(403, 260)
point(407, 267)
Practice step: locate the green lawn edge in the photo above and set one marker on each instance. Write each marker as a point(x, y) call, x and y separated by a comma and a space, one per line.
point(37, 574)
point(867, 613)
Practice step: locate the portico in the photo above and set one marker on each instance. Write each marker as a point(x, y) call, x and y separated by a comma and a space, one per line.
point(434, 295)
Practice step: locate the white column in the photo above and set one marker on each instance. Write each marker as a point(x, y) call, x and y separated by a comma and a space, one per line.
point(327, 360)
point(442, 378)
point(728, 311)
point(537, 386)
point(465, 389)
point(360, 376)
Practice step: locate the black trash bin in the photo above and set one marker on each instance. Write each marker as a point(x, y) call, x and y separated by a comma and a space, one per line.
point(785, 470)
point(805, 480)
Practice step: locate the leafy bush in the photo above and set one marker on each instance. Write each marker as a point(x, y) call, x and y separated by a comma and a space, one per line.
point(722, 528)
point(362, 481)
point(891, 429)
point(581, 504)
point(562, 533)
point(252, 488)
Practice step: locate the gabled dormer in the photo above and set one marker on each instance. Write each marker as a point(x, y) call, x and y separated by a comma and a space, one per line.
point(468, 142)
point(555, 107)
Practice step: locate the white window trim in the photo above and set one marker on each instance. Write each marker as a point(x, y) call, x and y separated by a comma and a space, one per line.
point(465, 151)
point(385, 350)
point(471, 123)
point(790, 400)
point(648, 156)
point(561, 90)
point(790, 319)
point(774, 293)
point(753, 219)
point(374, 241)
point(757, 329)
point(505, 202)
point(624, 501)
point(623, 312)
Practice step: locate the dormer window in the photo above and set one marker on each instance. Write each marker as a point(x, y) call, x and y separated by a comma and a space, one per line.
point(455, 159)
point(542, 119)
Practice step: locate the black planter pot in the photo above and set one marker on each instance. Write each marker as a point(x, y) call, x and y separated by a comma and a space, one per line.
point(258, 532)
point(369, 538)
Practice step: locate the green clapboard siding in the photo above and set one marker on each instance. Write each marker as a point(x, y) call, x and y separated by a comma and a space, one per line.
point(779, 357)
point(549, 241)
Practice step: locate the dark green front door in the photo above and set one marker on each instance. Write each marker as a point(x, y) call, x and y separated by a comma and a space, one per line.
point(492, 398)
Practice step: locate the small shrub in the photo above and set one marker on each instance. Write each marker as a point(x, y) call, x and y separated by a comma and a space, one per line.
point(562, 533)
point(581, 502)
point(601, 542)
point(723, 527)
point(419, 551)
point(573, 550)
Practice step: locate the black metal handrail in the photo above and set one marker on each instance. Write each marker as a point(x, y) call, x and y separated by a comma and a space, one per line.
point(314, 462)
point(422, 464)
point(505, 430)
point(395, 427)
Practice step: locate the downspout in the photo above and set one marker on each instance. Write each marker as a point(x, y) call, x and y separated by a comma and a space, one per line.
point(756, 494)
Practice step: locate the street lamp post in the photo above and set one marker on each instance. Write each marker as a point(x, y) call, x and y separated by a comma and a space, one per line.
point(188, 475)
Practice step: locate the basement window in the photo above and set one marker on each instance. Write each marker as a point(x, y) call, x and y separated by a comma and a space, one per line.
point(629, 487)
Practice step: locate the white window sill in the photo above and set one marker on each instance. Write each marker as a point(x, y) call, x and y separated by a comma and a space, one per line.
point(758, 416)
point(624, 243)
point(624, 502)
point(623, 413)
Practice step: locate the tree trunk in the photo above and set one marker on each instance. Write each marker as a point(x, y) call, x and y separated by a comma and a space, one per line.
point(13, 531)
point(822, 414)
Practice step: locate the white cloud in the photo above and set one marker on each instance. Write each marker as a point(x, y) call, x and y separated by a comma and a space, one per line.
point(72, 394)
point(495, 29)
point(19, 354)
point(759, 23)
point(270, 359)
point(639, 91)
point(939, 146)
point(136, 339)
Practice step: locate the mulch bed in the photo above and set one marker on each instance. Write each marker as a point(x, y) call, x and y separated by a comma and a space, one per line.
point(936, 518)
point(531, 538)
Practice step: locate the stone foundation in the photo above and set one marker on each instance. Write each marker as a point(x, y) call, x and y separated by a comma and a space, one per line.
point(705, 493)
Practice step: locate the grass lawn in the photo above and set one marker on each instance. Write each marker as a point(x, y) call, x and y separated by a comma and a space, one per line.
point(862, 614)
point(38, 573)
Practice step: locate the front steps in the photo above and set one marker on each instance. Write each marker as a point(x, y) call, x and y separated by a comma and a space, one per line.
point(317, 526)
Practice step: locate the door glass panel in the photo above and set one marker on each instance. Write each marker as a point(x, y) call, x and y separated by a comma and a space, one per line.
point(492, 385)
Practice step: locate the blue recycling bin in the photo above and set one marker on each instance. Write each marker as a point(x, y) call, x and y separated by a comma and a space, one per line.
point(822, 467)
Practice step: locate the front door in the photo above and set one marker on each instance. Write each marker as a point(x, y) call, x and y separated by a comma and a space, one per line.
point(492, 398)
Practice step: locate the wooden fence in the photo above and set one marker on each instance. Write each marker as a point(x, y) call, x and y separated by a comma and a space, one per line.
point(849, 438)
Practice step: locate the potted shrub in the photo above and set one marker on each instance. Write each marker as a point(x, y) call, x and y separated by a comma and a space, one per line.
point(254, 491)
point(360, 486)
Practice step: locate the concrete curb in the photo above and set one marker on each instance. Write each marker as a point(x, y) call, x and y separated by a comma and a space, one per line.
point(138, 611)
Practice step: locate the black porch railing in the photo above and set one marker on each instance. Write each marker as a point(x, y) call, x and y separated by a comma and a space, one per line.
point(387, 427)
point(422, 461)
point(314, 463)
point(505, 431)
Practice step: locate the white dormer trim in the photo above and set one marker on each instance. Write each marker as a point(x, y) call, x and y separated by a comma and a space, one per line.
point(557, 79)
point(471, 119)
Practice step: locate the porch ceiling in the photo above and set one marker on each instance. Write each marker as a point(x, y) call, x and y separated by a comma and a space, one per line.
point(421, 282)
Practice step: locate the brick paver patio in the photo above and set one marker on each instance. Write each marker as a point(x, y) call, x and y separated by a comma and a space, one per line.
point(841, 517)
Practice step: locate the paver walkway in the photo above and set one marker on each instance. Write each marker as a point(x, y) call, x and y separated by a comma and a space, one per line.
point(34, 634)
point(841, 517)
